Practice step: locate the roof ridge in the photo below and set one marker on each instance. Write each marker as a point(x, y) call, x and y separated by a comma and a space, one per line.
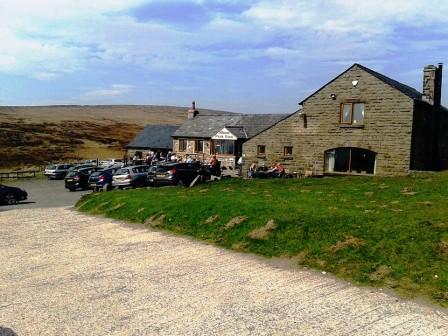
point(386, 79)
point(403, 88)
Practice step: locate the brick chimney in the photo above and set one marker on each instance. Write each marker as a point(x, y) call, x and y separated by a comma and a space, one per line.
point(432, 84)
point(192, 112)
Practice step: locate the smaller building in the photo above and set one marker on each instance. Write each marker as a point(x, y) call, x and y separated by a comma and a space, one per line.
point(223, 135)
point(156, 138)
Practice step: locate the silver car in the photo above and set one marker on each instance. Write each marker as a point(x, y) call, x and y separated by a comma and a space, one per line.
point(57, 171)
point(133, 176)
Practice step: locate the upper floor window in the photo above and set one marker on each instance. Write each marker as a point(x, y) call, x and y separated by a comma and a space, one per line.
point(182, 145)
point(261, 150)
point(199, 146)
point(352, 114)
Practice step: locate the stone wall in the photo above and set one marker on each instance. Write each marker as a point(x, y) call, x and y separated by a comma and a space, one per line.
point(387, 127)
point(424, 138)
point(443, 139)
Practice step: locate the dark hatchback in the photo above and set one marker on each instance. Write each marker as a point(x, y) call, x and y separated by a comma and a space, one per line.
point(79, 179)
point(102, 180)
point(178, 174)
point(11, 195)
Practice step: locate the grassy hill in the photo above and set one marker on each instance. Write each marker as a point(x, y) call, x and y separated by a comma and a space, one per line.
point(37, 135)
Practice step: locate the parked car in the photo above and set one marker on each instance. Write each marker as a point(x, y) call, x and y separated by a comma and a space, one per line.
point(11, 195)
point(57, 171)
point(79, 179)
point(102, 179)
point(81, 166)
point(151, 174)
point(133, 176)
point(111, 163)
point(179, 174)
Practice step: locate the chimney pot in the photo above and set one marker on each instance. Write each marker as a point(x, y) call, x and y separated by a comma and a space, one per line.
point(429, 83)
point(192, 112)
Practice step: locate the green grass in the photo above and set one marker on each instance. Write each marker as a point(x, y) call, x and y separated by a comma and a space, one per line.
point(388, 232)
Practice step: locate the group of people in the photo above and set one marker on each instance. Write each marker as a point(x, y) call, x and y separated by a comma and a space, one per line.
point(276, 170)
point(152, 158)
point(255, 171)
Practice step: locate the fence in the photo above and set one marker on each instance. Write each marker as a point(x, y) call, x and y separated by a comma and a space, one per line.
point(18, 174)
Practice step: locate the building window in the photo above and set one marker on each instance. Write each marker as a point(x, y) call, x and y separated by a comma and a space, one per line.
point(223, 147)
point(350, 160)
point(182, 145)
point(352, 114)
point(287, 151)
point(261, 150)
point(199, 146)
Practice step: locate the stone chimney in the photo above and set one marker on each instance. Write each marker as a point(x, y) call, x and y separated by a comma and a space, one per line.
point(432, 84)
point(192, 112)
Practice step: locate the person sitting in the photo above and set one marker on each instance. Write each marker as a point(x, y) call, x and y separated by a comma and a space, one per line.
point(277, 170)
point(252, 172)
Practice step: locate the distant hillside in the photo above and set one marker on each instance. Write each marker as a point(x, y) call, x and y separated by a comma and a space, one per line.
point(37, 135)
point(132, 114)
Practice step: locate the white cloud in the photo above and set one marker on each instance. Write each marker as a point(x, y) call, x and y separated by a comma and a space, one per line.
point(47, 39)
point(114, 90)
point(44, 76)
point(367, 17)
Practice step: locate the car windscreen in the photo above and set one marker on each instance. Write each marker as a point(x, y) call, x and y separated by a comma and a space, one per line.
point(122, 172)
point(72, 173)
point(52, 167)
point(98, 173)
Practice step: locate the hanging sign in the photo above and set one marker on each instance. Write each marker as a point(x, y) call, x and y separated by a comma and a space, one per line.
point(224, 134)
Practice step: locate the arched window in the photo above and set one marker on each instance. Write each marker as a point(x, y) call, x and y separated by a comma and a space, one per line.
point(350, 160)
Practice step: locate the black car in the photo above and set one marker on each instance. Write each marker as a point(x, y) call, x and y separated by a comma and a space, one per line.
point(178, 174)
point(79, 179)
point(11, 195)
point(102, 180)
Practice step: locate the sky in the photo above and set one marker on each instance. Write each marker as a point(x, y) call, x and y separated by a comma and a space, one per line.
point(254, 56)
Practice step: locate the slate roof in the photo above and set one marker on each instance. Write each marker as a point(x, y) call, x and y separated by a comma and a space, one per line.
point(154, 137)
point(407, 90)
point(243, 126)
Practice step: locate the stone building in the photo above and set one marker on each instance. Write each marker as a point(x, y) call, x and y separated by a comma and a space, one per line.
point(223, 135)
point(156, 138)
point(361, 122)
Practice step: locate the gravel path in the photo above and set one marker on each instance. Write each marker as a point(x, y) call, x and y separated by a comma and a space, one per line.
point(65, 273)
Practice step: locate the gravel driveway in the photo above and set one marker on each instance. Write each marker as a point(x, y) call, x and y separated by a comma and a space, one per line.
point(64, 273)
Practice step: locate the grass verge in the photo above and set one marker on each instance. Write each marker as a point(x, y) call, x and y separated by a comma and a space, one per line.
point(387, 232)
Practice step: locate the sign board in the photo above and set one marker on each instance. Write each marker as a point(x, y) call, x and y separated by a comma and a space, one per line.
point(224, 134)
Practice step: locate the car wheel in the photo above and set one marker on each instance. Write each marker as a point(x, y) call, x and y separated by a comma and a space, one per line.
point(71, 189)
point(10, 199)
point(181, 183)
point(107, 187)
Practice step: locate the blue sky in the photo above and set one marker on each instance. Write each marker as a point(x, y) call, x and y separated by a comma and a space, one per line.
point(255, 56)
